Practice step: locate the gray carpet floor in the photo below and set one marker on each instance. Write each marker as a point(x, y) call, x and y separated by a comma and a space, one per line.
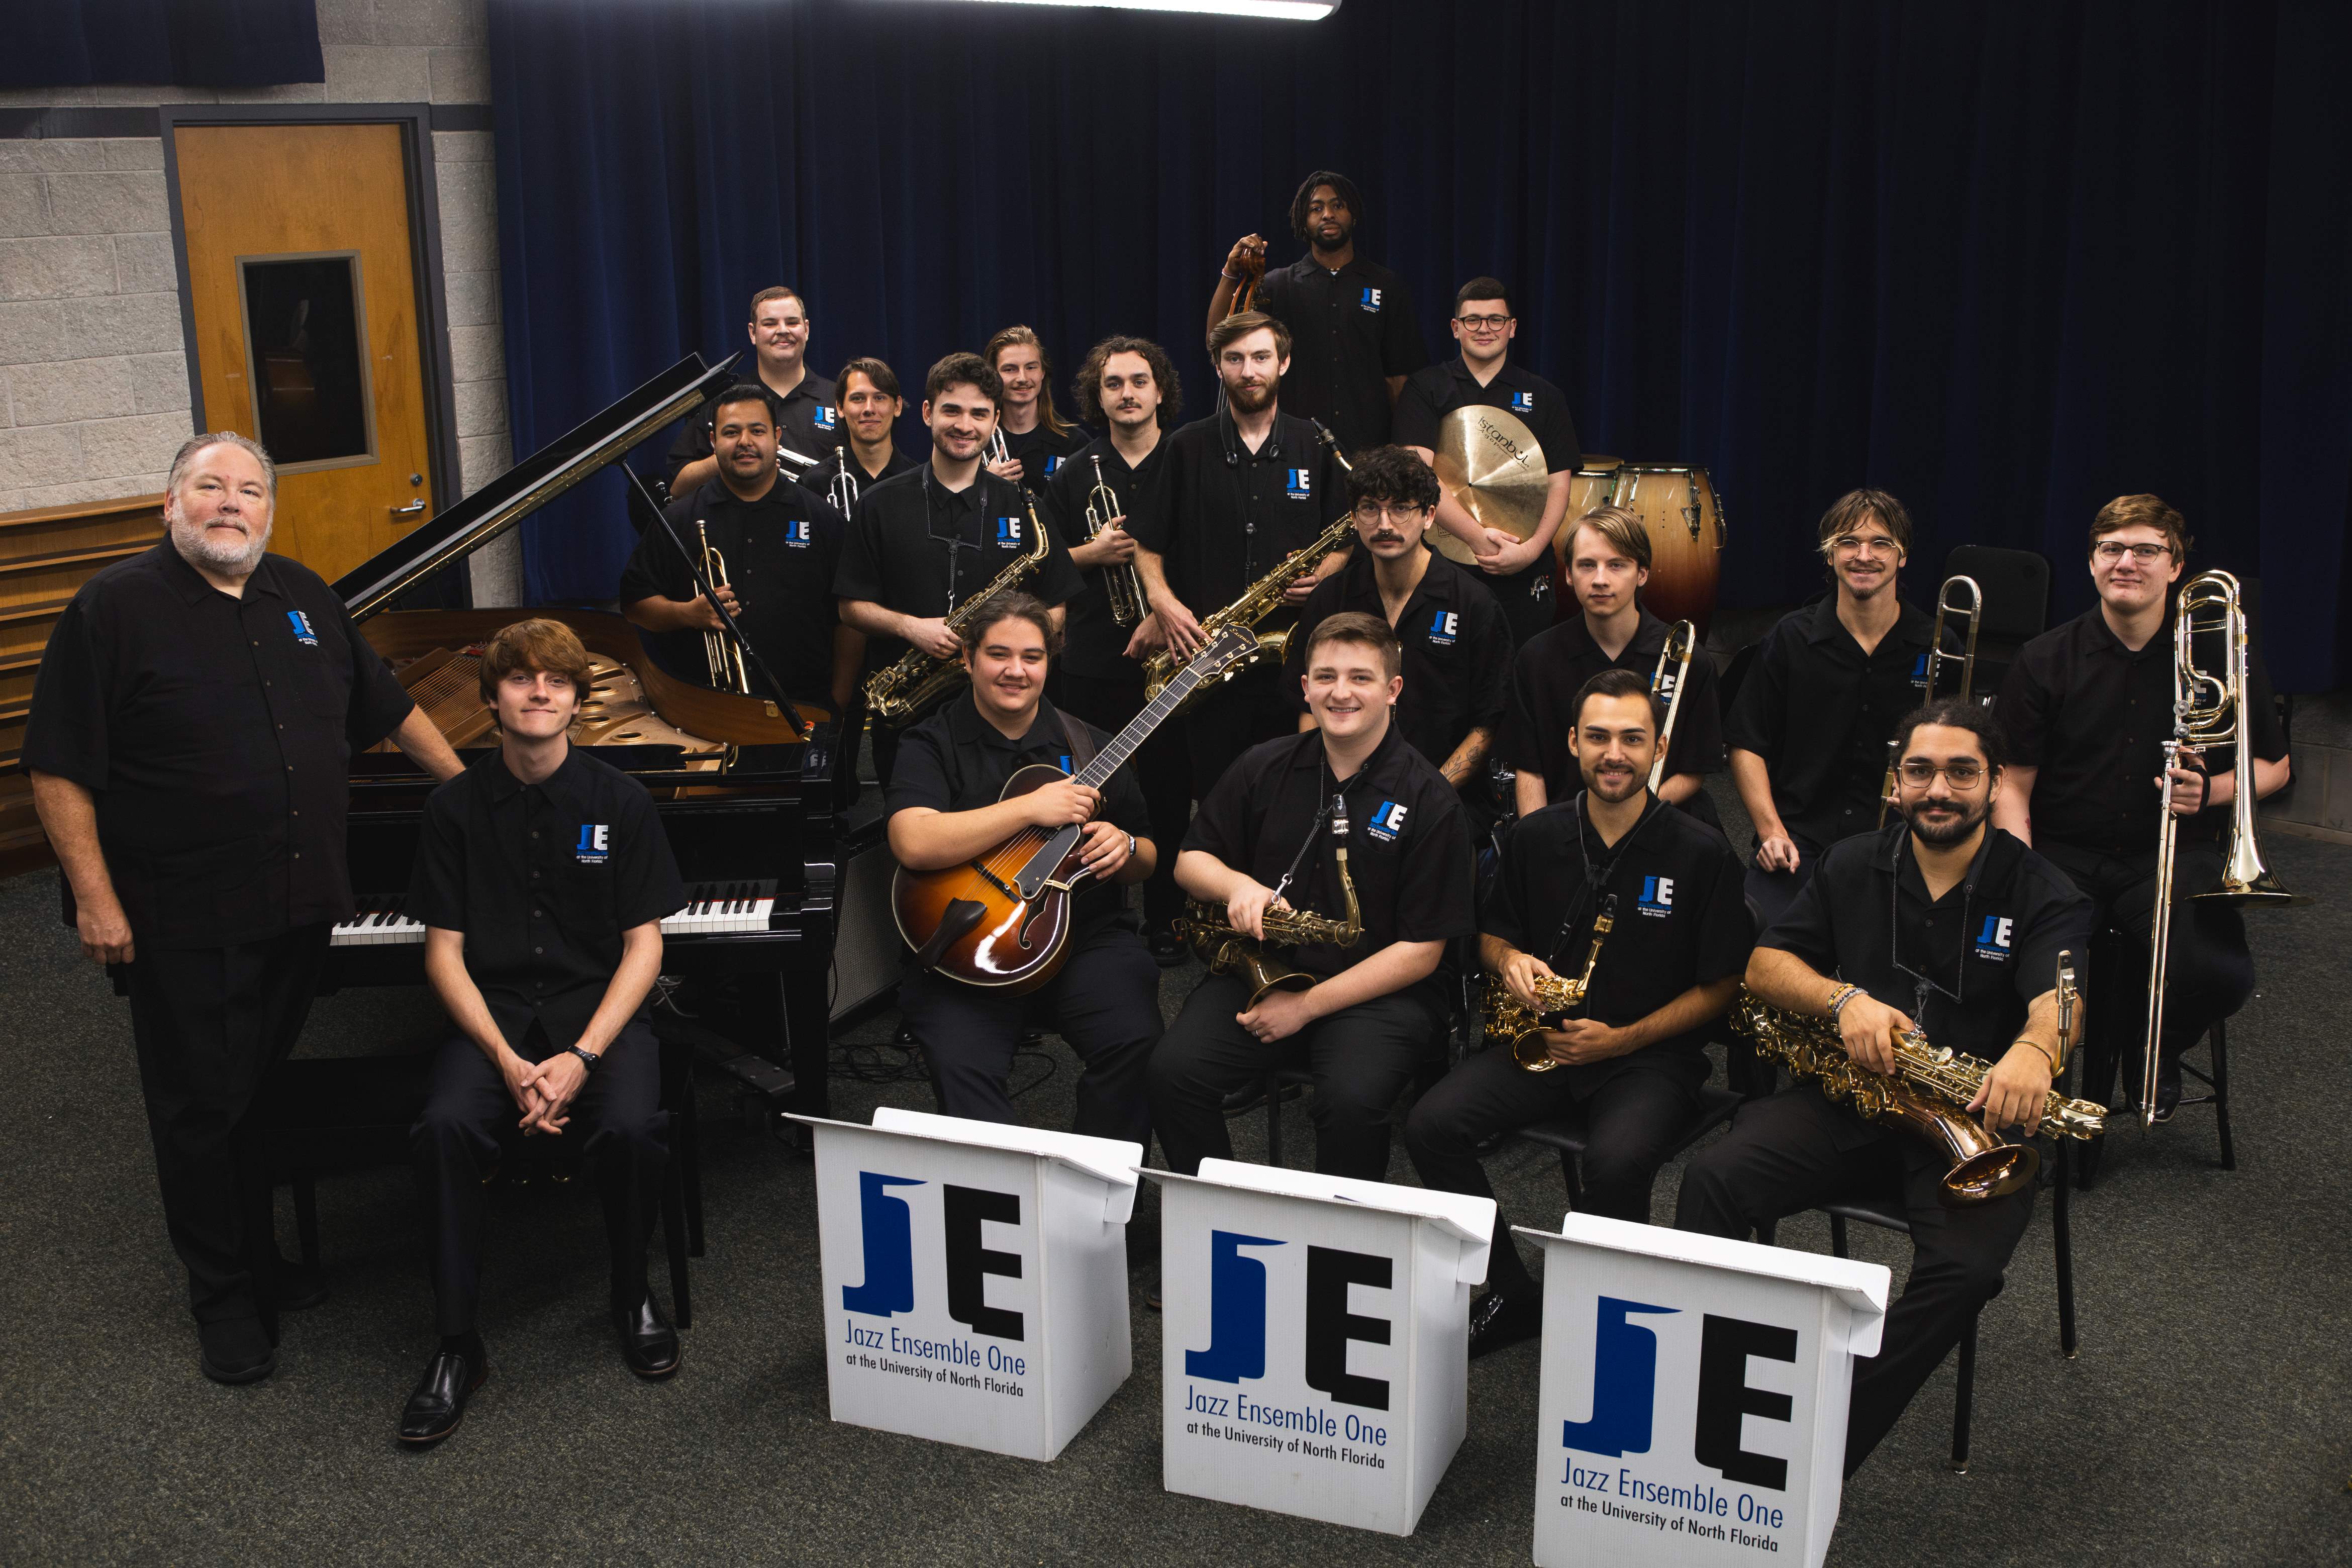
point(2205, 1421)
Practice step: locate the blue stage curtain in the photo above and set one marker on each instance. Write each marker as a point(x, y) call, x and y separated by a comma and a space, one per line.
point(186, 43)
point(2006, 259)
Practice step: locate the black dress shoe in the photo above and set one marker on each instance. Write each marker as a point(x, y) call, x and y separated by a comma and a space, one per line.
point(648, 1344)
point(1502, 1317)
point(2167, 1088)
point(438, 1401)
point(1169, 950)
point(236, 1350)
point(300, 1285)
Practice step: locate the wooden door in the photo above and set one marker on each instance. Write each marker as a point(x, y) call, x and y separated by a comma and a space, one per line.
point(300, 281)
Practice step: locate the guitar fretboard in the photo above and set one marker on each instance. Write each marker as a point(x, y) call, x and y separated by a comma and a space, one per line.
point(1122, 745)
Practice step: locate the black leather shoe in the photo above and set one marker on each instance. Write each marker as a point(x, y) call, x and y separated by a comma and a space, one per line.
point(1167, 949)
point(438, 1401)
point(1502, 1317)
point(236, 1350)
point(300, 1285)
point(2167, 1088)
point(648, 1344)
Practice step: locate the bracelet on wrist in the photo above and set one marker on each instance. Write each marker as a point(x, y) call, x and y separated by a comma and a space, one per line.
point(1227, 276)
point(1843, 994)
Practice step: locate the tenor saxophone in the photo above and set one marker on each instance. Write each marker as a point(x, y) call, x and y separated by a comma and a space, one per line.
point(1513, 1024)
point(1225, 949)
point(911, 682)
point(1927, 1094)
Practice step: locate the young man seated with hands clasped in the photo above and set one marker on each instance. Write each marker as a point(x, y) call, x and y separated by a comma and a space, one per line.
point(541, 878)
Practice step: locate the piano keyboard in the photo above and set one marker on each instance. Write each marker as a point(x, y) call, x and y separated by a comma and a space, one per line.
point(712, 908)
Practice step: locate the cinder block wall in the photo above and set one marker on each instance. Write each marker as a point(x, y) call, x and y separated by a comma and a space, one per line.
point(93, 372)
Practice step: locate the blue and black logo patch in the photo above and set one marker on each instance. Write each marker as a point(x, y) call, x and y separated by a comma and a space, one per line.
point(1993, 939)
point(303, 632)
point(1008, 533)
point(1657, 899)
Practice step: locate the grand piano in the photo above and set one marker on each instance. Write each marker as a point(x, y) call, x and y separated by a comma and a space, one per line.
point(742, 783)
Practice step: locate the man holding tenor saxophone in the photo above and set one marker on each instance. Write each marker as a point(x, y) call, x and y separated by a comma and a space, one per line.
point(1941, 924)
point(1346, 850)
point(1627, 916)
point(2088, 707)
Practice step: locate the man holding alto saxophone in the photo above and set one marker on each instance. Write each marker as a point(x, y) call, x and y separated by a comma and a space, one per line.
point(1944, 924)
point(1644, 903)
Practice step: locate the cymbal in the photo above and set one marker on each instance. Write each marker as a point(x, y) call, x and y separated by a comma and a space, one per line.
point(1489, 461)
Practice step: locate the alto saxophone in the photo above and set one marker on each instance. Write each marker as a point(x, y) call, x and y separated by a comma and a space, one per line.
point(914, 680)
point(1927, 1093)
point(1225, 949)
point(1512, 1024)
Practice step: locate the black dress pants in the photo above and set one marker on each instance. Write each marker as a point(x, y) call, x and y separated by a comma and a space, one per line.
point(1105, 1001)
point(1793, 1149)
point(616, 1124)
point(1161, 766)
point(1362, 1056)
point(1633, 1116)
point(210, 1022)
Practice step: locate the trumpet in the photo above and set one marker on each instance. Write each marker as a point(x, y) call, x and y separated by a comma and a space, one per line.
point(1512, 1024)
point(841, 490)
point(1681, 640)
point(719, 650)
point(793, 465)
point(1972, 613)
point(1224, 950)
point(997, 451)
point(2208, 710)
point(1927, 1094)
point(908, 685)
point(1122, 584)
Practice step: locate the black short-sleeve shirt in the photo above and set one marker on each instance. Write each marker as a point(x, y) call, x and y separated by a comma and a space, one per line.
point(214, 734)
point(1408, 841)
point(819, 480)
point(2094, 716)
point(781, 551)
point(1681, 915)
point(1227, 515)
point(1986, 948)
point(1455, 642)
point(1349, 331)
point(921, 549)
point(807, 421)
point(1552, 666)
point(1437, 390)
point(1093, 643)
point(957, 761)
point(544, 880)
point(1042, 450)
point(1820, 711)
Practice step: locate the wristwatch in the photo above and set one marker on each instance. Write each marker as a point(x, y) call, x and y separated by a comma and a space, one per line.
point(588, 1058)
point(1131, 846)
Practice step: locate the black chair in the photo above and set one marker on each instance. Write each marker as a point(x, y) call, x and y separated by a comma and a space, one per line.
point(2115, 1032)
point(2016, 584)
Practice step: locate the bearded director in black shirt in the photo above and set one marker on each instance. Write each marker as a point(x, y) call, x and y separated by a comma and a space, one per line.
point(191, 731)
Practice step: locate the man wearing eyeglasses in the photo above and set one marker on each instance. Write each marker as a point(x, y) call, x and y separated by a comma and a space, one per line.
point(1456, 645)
point(1942, 923)
point(2088, 707)
point(1517, 570)
point(1808, 733)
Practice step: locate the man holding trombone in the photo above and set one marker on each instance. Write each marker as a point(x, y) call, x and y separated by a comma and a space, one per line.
point(2088, 708)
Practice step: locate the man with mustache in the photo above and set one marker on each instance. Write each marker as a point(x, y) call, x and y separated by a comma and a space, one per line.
point(1037, 439)
point(1244, 489)
point(1808, 736)
point(923, 543)
point(1517, 570)
point(1362, 1016)
point(800, 406)
point(1634, 1055)
point(1456, 644)
point(189, 745)
point(944, 810)
point(1352, 322)
point(1941, 923)
point(870, 407)
point(2088, 706)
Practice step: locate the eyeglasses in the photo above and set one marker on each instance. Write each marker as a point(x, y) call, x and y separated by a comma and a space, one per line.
point(2112, 550)
point(1865, 544)
point(1485, 323)
point(1962, 774)
point(1372, 512)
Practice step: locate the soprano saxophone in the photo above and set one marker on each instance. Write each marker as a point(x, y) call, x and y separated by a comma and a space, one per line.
point(1512, 1024)
point(1225, 949)
point(1927, 1094)
point(915, 680)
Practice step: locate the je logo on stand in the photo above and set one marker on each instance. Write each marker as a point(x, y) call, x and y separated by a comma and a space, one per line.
point(595, 843)
point(1625, 1391)
point(1238, 1291)
point(887, 1227)
point(1992, 938)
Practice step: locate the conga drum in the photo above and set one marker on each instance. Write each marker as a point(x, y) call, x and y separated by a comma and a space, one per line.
point(1678, 508)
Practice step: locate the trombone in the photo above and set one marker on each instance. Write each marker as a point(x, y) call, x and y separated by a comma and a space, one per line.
point(719, 649)
point(2208, 710)
point(1681, 640)
point(1972, 613)
point(1120, 583)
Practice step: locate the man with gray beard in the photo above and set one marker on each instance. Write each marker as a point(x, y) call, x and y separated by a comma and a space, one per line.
point(192, 724)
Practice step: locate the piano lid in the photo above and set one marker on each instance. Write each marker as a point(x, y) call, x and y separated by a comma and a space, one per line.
point(602, 439)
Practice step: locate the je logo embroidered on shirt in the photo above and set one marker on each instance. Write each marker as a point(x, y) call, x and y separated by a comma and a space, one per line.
point(1370, 301)
point(827, 417)
point(1992, 938)
point(1388, 821)
point(302, 632)
point(1299, 482)
point(1444, 627)
point(1919, 673)
point(1008, 532)
point(595, 843)
point(797, 533)
point(1657, 897)
point(1523, 402)
point(1053, 461)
